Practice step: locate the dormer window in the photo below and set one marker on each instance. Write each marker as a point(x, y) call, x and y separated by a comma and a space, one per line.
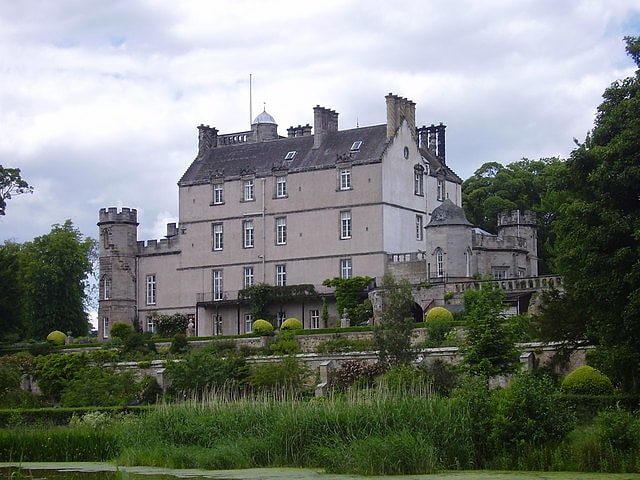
point(356, 146)
point(290, 155)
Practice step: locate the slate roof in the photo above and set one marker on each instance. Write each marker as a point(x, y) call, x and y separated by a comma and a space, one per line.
point(448, 213)
point(233, 161)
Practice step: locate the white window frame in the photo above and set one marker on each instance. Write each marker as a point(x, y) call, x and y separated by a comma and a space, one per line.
point(314, 314)
point(440, 189)
point(281, 275)
point(150, 289)
point(346, 268)
point(218, 193)
point(218, 285)
point(217, 230)
point(105, 327)
point(355, 146)
point(418, 183)
point(439, 263)
point(281, 186)
point(105, 287)
point(248, 323)
point(248, 234)
point(281, 230)
point(248, 189)
point(499, 273)
point(151, 324)
point(419, 228)
point(346, 225)
point(345, 178)
point(249, 276)
point(216, 320)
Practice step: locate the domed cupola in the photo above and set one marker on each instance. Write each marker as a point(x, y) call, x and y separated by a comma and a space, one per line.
point(264, 127)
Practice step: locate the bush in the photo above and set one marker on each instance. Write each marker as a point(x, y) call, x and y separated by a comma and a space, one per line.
point(286, 344)
point(179, 343)
point(262, 327)
point(56, 337)
point(169, 325)
point(619, 428)
point(439, 314)
point(353, 372)
point(587, 380)
point(291, 324)
point(288, 372)
point(120, 330)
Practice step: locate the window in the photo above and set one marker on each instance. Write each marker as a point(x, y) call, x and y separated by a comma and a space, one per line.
point(500, 273)
point(248, 276)
point(345, 224)
point(282, 316)
point(345, 179)
point(247, 229)
point(105, 287)
point(151, 325)
point(440, 191)
point(315, 318)
point(281, 230)
point(346, 268)
point(281, 275)
point(151, 289)
point(439, 263)
point(218, 194)
point(218, 237)
point(419, 228)
point(105, 327)
point(248, 323)
point(217, 324)
point(218, 292)
point(248, 191)
point(290, 155)
point(418, 182)
point(281, 186)
point(356, 146)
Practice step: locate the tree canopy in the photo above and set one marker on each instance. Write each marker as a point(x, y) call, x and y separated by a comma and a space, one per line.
point(11, 183)
point(597, 232)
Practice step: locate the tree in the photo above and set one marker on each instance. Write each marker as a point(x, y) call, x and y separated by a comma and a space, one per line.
point(489, 348)
point(54, 272)
point(598, 231)
point(351, 296)
point(392, 335)
point(11, 320)
point(11, 183)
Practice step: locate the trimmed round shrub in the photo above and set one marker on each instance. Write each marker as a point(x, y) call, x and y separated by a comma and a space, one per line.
point(120, 330)
point(439, 314)
point(587, 380)
point(262, 327)
point(291, 323)
point(56, 337)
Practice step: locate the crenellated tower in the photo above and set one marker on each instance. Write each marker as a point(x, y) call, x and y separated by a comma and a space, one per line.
point(117, 278)
point(522, 225)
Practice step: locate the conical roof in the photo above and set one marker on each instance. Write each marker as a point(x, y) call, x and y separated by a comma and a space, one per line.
point(448, 213)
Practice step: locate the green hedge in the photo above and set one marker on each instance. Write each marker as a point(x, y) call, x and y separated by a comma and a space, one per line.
point(55, 416)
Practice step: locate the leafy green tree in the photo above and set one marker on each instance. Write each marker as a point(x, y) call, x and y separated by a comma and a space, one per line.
point(54, 272)
point(489, 348)
point(598, 229)
point(351, 293)
point(53, 372)
point(11, 184)
point(392, 335)
point(11, 319)
point(100, 387)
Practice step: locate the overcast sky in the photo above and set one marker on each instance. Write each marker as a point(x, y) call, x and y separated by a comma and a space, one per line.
point(100, 100)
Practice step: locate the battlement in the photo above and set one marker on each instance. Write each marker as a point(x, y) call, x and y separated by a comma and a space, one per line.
point(162, 246)
point(493, 242)
point(516, 217)
point(112, 215)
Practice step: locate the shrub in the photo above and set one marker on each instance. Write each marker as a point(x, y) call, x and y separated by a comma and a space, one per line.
point(439, 314)
point(169, 325)
point(587, 380)
point(288, 372)
point(262, 327)
point(179, 343)
point(353, 372)
point(619, 428)
point(291, 323)
point(286, 344)
point(120, 330)
point(56, 337)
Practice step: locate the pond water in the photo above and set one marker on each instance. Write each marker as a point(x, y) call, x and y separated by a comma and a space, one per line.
point(105, 471)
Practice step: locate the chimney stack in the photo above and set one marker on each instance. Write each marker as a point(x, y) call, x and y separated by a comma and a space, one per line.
point(432, 138)
point(324, 121)
point(399, 108)
point(207, 139)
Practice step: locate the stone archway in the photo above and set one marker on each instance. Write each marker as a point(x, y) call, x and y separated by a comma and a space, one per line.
point(417, 312)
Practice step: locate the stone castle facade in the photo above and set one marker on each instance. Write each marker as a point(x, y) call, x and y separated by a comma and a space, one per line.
point(257, 207)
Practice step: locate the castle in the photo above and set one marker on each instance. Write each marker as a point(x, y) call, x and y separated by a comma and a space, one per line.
point(256, 207)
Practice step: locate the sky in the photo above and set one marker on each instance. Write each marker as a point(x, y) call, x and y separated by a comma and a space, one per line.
point(100, 100)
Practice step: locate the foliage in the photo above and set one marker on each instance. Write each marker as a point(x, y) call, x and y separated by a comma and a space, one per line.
point(170, 325)
point(489, 347)
point(54, 273)
point(12, 324)
point(586, 380)
point(438, 323)
point(200, 372)
point(324, 315)
point(262, 327)
point(355, 373)
point(286, 373)
point(392, 335)
point(9, 376)
point(443, 376)
point(100, 387)
point(404, 379)
point(56, 337)
point(179, 343)
point(262, 296)
point(350, 294)
point(285, 344)
point(340, 343)
point(596, 232)
point(291, 324)
point(11, 184)
point(120, 330)
point(619, 428)
point(53, 372)
point(439, 314)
